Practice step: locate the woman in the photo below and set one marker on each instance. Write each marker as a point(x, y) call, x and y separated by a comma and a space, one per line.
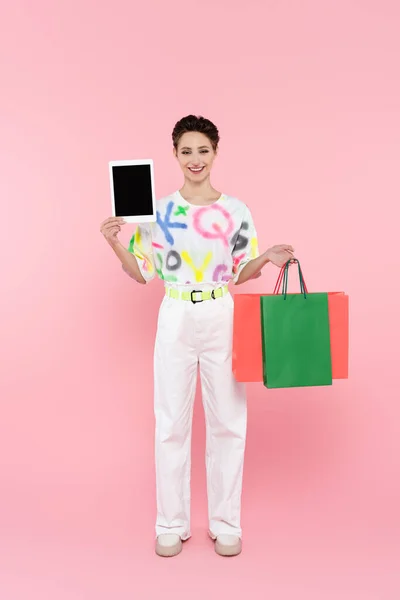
point(202, 240)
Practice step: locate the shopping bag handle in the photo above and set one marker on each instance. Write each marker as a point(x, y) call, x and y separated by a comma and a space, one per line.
point(280, 276)
point(279, 280)
point(303, 287)
point(284, 276)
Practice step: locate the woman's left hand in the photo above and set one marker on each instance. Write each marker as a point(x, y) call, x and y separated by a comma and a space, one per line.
point(279, 255)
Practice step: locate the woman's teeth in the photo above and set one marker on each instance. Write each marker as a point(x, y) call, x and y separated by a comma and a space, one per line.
point(196, 170)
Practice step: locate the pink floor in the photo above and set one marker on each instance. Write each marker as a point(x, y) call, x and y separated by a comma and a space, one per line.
point(314, 528)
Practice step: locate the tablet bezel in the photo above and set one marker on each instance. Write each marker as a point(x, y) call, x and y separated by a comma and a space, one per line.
point(150, 218)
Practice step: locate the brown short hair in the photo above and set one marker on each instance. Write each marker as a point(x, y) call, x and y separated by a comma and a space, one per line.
point(199, 124)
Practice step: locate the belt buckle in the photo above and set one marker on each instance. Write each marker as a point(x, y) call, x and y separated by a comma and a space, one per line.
point(195, 292)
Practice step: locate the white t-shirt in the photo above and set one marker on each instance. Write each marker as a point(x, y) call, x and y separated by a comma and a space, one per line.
point(196, 244)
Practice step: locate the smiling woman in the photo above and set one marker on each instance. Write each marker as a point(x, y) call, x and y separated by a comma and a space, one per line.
point(202, 240)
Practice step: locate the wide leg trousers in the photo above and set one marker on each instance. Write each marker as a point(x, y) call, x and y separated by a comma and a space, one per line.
point(192, 337)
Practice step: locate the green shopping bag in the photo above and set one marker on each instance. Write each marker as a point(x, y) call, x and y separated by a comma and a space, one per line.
point(295, 337)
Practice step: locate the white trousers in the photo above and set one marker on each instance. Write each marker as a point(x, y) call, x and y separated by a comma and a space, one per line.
point(192, 336)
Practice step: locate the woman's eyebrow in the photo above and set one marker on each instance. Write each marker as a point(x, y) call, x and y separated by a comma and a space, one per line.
point(199, 148)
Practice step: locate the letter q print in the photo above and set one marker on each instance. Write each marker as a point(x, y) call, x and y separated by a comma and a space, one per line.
point(213, 222)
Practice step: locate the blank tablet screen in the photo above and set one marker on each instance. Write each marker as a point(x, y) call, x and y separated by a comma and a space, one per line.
point(132, 190)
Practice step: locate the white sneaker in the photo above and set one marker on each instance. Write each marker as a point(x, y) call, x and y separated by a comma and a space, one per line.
point(168, 544)
point(228, 545)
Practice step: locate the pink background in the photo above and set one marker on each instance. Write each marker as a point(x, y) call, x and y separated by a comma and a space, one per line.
point(306, 95)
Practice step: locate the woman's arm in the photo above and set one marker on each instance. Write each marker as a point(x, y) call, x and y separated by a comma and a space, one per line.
point(110, 228)
point(277, 255)
point(253, 268)
point(129, 262)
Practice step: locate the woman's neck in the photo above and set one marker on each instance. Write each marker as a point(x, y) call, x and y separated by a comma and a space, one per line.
point(202, 193)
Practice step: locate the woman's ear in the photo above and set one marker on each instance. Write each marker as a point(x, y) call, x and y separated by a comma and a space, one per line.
point(174, 151)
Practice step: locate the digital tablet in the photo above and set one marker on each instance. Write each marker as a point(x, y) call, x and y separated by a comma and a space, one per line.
point(132, 190)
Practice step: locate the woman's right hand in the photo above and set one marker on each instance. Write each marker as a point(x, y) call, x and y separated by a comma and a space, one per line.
point(110, 228)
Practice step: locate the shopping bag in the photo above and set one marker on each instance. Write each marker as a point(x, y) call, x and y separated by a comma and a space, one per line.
point(338, 304)
point(295, 337)
point(247, 362)
point(338, 308)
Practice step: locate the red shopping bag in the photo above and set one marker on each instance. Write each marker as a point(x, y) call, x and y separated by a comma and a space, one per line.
point(338, 306)
point(247, 361)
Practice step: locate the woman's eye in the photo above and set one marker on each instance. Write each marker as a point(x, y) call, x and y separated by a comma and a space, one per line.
point(201, 152)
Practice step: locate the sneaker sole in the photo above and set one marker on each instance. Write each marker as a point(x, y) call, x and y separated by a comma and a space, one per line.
point(228, 550)
point(169, 551)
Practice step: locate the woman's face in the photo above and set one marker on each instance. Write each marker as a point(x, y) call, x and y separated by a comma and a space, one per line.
point(195, 155)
